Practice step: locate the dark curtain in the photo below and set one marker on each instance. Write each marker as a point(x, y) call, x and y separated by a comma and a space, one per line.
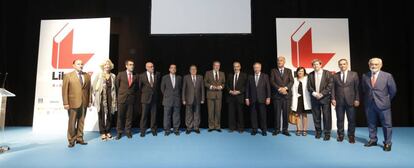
point(377, 29)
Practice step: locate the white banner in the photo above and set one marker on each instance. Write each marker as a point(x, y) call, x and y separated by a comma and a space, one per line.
point(61, 42)
point(301, 40)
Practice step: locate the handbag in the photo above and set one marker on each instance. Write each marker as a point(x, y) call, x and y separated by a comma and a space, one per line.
point(293, 118)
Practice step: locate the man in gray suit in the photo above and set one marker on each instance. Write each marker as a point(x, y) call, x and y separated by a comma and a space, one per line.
point(171, 90)
point(379, 89)
point(193, 97)
point(214, 81)
point(345, 96)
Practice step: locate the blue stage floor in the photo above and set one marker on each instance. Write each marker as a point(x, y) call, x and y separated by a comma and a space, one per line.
point(228, 150)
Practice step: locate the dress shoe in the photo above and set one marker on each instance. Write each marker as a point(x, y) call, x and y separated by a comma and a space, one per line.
point(71, 145)
point(118, 136)
point(167, 133)
point(82, 142)
point(318, 135)
point(129, 135)
point(154, 133)
point(177, 133)
point(209, 130)
point(142, 134)
point(327, 137)
point(387, 147)
point(197, 131)
point(340, 138)
point(218, 130)
point(274, 133)
point(351, 139)
point(187, 131)
point(370, 143)
point(254, 132)
point(264, 133)
point(286, 133)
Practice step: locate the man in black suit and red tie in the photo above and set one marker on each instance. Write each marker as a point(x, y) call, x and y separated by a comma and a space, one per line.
point(320, 86)
point(258, 97)
point(281, 81)
point(127, 86)
point(149, 87)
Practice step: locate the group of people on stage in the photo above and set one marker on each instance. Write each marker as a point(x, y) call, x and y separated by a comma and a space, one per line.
point(300, 93)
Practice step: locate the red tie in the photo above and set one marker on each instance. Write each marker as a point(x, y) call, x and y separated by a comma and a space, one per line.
point(373, 79)
point(129, 79)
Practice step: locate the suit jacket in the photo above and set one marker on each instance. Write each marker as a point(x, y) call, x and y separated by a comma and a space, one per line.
point(209, 81)
point(190, 93)
point(277, 80)
point(148, 93)
point(348, 92)
point(240, 86)
point(123, 89)
point(171, 95)
point(383, 91)
point(73, 94)
point(325, 86)
point(260, 92)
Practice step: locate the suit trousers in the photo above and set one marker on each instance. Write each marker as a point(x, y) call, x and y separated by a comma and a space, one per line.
point(174, 112)
point(214, 113)
point(76, 123)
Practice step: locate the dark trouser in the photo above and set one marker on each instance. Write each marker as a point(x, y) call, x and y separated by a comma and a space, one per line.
point(192, 116)
point(125, 114)
point(76, 123)
point(341, 110)
point(280, 107)
point(149, 110)
point(104, 121)
point(236, 116)
point(214, 113)
point(318, 110)
point(384, 116)
point(261, 107)
point(173, 111)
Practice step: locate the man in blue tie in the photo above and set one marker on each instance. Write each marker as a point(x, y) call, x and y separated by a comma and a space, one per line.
point(379, 89)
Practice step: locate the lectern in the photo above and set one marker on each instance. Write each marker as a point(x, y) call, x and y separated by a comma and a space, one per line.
point(4, 94)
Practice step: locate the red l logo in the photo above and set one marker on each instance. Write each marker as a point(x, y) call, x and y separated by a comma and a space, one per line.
point(301, 45)
point(62, 56)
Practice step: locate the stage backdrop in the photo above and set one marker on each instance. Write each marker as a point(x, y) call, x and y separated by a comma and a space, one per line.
point(61, 42)
point(301, 40)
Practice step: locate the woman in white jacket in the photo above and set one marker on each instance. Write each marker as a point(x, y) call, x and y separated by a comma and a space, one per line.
point(104, 98)
point(301, 103)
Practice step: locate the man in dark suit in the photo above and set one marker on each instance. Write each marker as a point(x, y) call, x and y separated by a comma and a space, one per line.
point(149, 86)
point(281, 81)
point(258, 97)
point(214, 81)
point(345, 96)
point(127, 87)
point(193, 97)
point(236, 87)
point(320, 86)
point(171, 90)
point(379, 89)
point(76, 98)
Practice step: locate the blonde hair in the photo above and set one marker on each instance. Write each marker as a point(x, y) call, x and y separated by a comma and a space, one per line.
point(111, 65)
